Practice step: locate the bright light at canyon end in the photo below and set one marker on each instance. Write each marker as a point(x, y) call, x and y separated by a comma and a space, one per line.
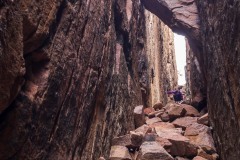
point(180, 51)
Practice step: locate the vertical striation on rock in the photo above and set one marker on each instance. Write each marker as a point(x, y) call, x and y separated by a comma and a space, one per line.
point(161, 58)
point(220, 30)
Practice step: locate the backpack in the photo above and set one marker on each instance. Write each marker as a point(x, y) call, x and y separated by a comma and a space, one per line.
point(178, 96)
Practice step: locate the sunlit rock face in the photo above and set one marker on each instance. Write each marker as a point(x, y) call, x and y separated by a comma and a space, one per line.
point(161, 58)
point(217, 51)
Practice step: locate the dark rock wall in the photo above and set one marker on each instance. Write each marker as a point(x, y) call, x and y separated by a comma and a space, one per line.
point(82, 76)
point(71, 74)
point(220, 26)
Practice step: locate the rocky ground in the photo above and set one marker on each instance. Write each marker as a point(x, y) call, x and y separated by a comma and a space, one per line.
point(171, 132)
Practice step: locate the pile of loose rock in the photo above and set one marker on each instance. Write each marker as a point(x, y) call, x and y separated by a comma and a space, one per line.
point(175, 131)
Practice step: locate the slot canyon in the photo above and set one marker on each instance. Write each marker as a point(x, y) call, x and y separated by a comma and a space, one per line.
point(88, 80)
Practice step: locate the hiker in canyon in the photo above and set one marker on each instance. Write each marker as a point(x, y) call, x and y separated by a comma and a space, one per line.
point(177, 95)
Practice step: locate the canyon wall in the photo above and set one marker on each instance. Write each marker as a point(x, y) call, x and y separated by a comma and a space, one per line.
point(213, 36)
point(72, 73)
point(220, 28)
point(161, 58)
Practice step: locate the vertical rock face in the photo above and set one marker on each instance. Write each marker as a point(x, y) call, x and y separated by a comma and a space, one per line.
point(81, 81)
point(220, 23)
point(195, 76)
point(85, 67)
point(11, 48)
point(161, 58)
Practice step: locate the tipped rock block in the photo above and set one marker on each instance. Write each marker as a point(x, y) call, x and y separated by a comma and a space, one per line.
point(190, 110)
point(119, 153)
point(184, 122)
point(153, 151)
point(139, 119)
point(203, 120)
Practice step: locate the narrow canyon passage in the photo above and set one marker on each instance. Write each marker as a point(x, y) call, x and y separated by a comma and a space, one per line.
point(76, 76)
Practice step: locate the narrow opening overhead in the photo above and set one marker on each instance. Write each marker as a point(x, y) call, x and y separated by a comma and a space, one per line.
point(180, 51)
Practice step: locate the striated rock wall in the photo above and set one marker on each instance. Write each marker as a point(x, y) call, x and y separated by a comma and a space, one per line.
point(71, 74)
point(220, 23)
point(195, 78)
point(81, 81)
point(161, 58)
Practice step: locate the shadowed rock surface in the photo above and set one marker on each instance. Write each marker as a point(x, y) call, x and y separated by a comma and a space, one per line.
point(71, 74)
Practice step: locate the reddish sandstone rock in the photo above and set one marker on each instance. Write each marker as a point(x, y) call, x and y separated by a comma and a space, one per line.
point(181, 145)
point(138, 116)
point(153, 120)
point(184, 122)
point(203, 120)
point(148, 110)
point(153, 151)
point(158, 106)
point(204, 140)
point(119, 153)
point(143, 129)
point(190, 110)
point(181, 158)
point(195, 129)
point(164, 117)
point(176, 112)
point(199, 158)
point(134, 139)
point(162, 125)
point(166, 144)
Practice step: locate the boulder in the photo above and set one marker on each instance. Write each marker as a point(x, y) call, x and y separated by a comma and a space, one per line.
point(150, 137)
point(166, 144)
point(195, 129)
point(181, 145)
point(164, 117)
point(153, 120)
point(148, 110)
point(155, 113)
point(143, 129)
point(153, 151)
point(199, 158)
point(203, 120)
point(205, 141)
point(119, 153)
point(175, 112)
point(190, 110)
point(138, 116)
point(134, 139)
point(101, 158)
point(203, 154)
point(184, 122)
point(162, 125)
point(158, 106)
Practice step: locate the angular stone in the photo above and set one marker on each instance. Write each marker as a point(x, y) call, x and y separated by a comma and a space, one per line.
point(203, 154)
point(184, 122)
point(160, 125)
point(153, 151)
point(166, 144)
point(203, 120)
point(176, 112)
point(148, 110)
point(181, 158)
point(155, 113)
point(158, 106)
point(205, 141)
point(138, 116)
point(195, 129)
point(119, 153)
point(143, 129)
point(180, 145)
point(190, 110)
point(164, 117)
point(134, 139)
point(199, 158)
point(101, 158)
point(150, 137)
point(153, 120)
